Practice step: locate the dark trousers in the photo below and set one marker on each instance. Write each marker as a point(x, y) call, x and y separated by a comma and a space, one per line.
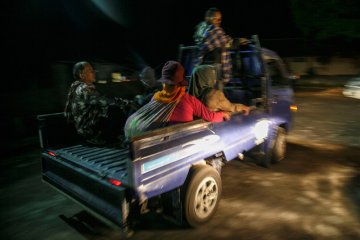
point(112, 126)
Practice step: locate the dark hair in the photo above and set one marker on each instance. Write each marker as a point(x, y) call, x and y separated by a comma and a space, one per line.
point(78, 68)
point(210, 12)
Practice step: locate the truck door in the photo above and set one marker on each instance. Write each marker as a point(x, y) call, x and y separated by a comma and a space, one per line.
point(280, 93)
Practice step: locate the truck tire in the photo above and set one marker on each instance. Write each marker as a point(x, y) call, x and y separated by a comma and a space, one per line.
point(278, 150)
point(202, 195)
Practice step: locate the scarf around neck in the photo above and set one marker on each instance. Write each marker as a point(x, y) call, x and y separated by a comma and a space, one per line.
point(169, 93)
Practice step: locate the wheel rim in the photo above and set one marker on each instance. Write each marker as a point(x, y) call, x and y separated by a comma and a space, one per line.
point(206, 197)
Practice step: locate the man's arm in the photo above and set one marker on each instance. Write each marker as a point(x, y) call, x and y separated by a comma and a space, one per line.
point(221, 103)
point(216, 38)
point(201, 111)
point(93, 97)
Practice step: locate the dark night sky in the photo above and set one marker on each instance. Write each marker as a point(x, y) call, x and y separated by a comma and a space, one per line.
point(132, 33)
point(42, 39)
point(41, 35)
point(42, 31)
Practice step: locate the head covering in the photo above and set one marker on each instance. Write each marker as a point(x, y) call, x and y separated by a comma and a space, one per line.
point(202, 78)
point(173, 74)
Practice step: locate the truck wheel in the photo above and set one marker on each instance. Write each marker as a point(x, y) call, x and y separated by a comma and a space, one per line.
point(202, 195)
point(278, 150)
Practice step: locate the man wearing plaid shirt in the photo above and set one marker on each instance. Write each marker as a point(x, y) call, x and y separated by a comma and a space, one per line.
point(214, 43)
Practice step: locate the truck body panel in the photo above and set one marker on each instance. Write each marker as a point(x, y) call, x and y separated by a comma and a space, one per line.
point(106, 178)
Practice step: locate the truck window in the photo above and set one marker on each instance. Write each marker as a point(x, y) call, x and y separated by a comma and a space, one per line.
point(277, 78)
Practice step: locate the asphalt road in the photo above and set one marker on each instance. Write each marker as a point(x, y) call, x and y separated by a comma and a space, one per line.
point(313, 194)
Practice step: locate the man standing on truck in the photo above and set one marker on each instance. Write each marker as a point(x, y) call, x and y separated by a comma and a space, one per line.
point(213, 45)
point(96, 118)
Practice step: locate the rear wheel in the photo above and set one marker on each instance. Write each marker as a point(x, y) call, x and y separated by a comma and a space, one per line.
point(278, 151)
point(202, 195)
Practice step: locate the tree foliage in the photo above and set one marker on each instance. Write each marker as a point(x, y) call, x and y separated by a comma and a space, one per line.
point(327, 19)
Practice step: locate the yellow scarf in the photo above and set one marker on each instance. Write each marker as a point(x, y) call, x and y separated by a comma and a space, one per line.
point(169, 93)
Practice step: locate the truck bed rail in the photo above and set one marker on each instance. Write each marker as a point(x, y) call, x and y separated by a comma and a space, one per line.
point(103, 161)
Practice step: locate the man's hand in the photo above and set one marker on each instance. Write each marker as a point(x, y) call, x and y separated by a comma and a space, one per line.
point(243, 109)
point(246, 110)
point(226, 116)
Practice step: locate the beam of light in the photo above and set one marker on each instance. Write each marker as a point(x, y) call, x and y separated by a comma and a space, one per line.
point(115, 10)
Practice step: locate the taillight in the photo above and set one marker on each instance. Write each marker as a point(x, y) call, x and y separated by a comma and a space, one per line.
point(114, 182)
point(51, 154)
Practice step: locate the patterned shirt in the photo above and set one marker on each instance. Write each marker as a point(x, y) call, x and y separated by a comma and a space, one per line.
point(200, 31)
point(85, 107)
point(215, 37)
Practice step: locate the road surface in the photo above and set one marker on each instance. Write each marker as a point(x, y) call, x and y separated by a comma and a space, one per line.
point(313, 194)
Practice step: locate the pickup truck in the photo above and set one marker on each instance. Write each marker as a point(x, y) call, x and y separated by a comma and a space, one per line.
point(175, 168)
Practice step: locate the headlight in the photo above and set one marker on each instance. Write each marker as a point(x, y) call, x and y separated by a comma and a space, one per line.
point(261, 129)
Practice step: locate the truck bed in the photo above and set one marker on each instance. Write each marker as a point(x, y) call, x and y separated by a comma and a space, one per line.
point(94, 176)
point(103, 161)
point(85, 174)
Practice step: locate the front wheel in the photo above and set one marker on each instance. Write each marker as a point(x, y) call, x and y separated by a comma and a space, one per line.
point(278, 150)
point(202, 195)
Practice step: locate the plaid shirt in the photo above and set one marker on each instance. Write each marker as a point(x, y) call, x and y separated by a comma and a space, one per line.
point(85, 107)
point(215, 37)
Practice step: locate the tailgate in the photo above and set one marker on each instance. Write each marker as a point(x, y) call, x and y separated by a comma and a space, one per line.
point(84, 173)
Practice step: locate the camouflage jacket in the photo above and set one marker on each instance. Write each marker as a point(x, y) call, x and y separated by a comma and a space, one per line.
point(85, 107)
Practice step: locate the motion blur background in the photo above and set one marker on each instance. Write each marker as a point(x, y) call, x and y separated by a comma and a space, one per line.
point(42, 40)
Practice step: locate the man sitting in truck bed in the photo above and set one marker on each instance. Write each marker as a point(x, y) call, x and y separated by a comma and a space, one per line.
point(170, 105)
point(97, 119)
